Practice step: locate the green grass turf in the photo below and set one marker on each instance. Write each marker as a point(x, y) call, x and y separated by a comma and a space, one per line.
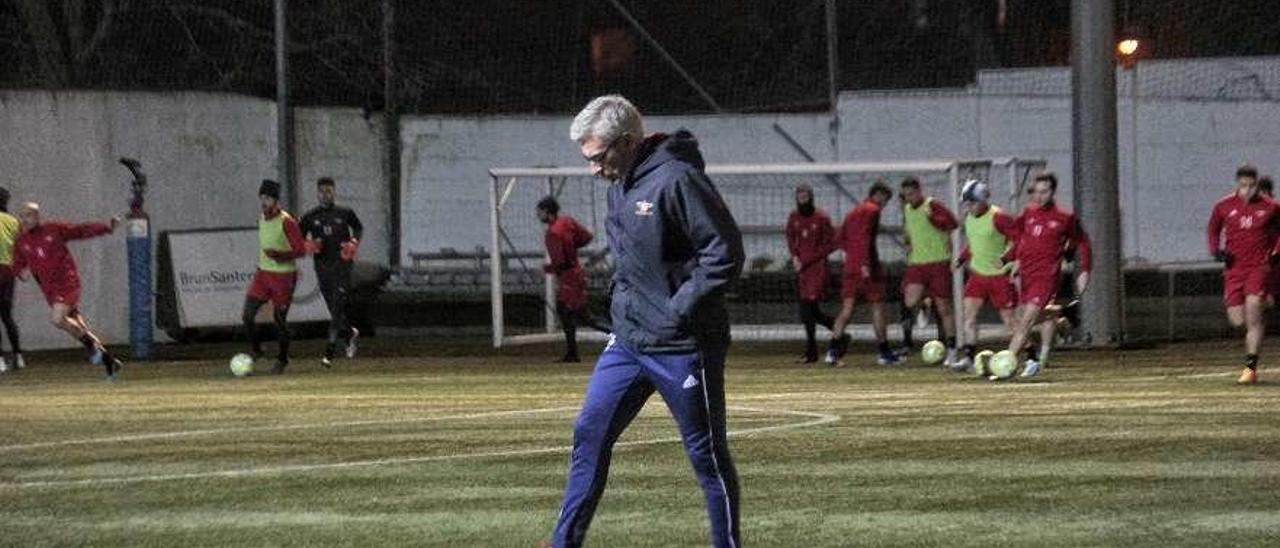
point(415, 446)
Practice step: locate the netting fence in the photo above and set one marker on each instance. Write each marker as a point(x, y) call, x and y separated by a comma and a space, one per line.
point(490, 56)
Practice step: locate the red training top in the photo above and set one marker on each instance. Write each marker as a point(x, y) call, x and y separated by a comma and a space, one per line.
point(1045, 234)
point(811, 238)
point(43, 249)
point(857, 237)
point(1249, 228)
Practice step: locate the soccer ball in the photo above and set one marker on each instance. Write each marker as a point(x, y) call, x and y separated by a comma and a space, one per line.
point(980, 363)
point(933, 352)
point(1002, 365)
point(241, 365)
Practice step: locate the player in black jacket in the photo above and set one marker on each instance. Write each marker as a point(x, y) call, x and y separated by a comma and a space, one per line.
point(333, 234)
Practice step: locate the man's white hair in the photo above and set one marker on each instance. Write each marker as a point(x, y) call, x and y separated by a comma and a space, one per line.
point(607, 118)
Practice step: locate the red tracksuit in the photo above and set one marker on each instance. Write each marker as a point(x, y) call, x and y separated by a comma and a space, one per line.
point(43, 249)
point(564, 237)
point(1045, 234)
point(857, 237)
point(810, 240)
point(1249, 230)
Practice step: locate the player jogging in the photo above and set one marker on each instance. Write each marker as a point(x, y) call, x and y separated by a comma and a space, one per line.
point(280, 243)
point(927, 223)
point(9, 229)
point(333, 234)
point(1266, 187)
point(810, 238)
point(988, 232)
point(1242, 235)
point(676, 248)
point(563, 239)
point(863, 276)
point(42, 249)
point(1046, 236)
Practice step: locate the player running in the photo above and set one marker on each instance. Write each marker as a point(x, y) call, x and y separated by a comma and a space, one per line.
point(1046, 236)
point(676, 247)
point(927, 223)
point(280, 243)
point(863, 275)
point(332, 235)
point(810, 238)
point(563, 239)
point(9, 229)
point(988, 233)
point(42, 249)
point(1266, 187)
point(1242, 235)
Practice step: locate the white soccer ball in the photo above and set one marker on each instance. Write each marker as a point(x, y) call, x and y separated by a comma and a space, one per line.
point(982, 363)
point(1003, 365)
point(241, 365)
point(933, 352)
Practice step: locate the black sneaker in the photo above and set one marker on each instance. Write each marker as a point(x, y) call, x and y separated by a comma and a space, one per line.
point(278, 368)
point(570, 358)
point(114, 368)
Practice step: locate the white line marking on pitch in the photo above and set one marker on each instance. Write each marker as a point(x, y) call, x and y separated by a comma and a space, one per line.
point(817, 419)
point(276, 428)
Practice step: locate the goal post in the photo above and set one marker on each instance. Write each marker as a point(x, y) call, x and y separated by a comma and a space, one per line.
point(760, 196)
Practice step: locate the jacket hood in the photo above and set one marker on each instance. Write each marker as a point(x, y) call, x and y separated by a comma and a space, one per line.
point(660, 148)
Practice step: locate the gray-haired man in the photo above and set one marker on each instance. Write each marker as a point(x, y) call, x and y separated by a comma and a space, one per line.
point(676, 247)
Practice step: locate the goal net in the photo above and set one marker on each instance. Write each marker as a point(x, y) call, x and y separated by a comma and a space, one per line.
point(761, 196)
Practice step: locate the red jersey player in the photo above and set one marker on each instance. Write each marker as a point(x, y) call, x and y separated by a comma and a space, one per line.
point(1266, 187)
point(1242, 235)
point(810, 238)
point(564, 237)
point(1046, 236)
point(863, 275)
point(42, 249)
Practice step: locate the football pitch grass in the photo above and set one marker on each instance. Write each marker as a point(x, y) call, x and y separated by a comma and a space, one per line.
point(463, 446)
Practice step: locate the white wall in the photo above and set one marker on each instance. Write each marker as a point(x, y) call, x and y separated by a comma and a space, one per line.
point(446, 162)
point(1197, 121)
point(344, 144)
point(205, 155)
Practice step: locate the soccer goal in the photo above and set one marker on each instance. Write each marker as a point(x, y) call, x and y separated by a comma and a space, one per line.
point(761, 196)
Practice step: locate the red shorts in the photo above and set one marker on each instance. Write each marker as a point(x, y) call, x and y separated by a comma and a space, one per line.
point(1039, 289)
point(571, 289)
point(1237, 283)
point(935, 277)
point(61, 289)
point(997, 290)
point(811, 283)
point(870, 288)
point(276, 287)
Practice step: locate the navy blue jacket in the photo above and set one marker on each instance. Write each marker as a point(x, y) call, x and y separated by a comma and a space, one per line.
point(676, 247)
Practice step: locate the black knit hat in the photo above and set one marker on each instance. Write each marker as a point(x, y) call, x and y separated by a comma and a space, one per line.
point(269, 188)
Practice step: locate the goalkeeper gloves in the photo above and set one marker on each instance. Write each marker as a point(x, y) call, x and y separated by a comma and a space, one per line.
point(349, 249)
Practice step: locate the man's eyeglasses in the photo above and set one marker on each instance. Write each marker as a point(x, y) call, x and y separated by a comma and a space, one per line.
point(598, 158)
